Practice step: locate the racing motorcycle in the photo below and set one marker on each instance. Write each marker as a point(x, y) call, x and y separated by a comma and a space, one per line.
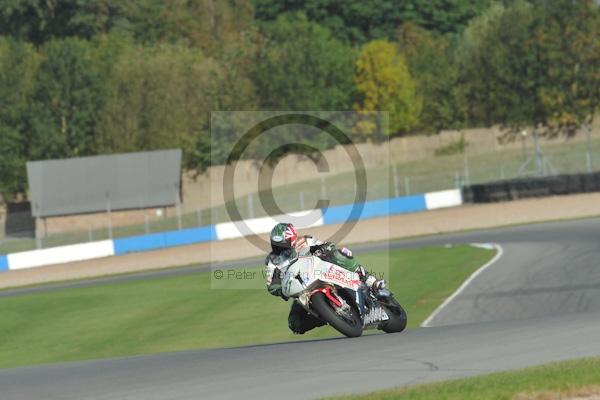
point(339, 298)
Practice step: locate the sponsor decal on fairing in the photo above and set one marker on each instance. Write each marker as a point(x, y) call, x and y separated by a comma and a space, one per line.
point(377, 314)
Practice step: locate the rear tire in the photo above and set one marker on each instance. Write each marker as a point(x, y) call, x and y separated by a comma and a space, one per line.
point(321, 305)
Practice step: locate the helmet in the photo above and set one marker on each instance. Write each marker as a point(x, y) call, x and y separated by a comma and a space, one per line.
point(283, 236)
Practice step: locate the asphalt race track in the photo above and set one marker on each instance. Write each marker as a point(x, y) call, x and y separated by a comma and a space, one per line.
point(540, 302)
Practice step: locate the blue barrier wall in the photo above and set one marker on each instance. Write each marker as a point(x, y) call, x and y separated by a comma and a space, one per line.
point(164, 239)
point(3, 263)
point(332, 215)
point(374, 209)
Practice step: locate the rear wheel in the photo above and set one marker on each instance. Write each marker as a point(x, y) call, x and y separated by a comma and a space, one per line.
point(349, 325)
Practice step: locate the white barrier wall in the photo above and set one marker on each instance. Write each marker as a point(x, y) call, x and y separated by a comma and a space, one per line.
point(443, 199)
point(227, 230)
point(301, 219)
point(62, 254)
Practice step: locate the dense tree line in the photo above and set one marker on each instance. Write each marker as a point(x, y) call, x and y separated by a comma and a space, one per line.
point(84, 77)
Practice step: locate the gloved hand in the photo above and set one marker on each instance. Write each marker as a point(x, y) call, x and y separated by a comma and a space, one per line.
point(369, 280)
point(346, 252)
point(322, 249)
point(376, 284)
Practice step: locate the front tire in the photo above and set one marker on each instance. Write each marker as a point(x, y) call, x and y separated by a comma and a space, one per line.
point(349, 328)
point(398, 317)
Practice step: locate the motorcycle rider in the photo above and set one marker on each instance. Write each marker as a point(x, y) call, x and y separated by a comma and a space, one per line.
point(286, 246)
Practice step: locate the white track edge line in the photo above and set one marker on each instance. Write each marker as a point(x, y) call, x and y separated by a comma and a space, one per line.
point(500, 252)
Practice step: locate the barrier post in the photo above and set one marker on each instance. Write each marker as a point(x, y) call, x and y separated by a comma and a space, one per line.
point(407, 185)
point(396, 188)
point(540, 169)
point(466, 167)
point(38, 235)
point(178, 206)
point(457, 180)
point(588, 134)
point(38, 239)
point(524, 144)
point(109, 214)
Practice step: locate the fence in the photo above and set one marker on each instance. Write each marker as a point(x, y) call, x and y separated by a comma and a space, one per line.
point(441, 172)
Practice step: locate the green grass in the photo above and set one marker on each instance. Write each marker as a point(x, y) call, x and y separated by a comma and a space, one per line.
point(558, 377)
point(179, 313)
point(434, 173)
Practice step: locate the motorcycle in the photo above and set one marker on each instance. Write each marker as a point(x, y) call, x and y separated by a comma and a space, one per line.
point(339, 298)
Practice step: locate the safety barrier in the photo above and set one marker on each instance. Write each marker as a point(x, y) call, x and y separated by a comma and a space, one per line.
point(61, 254)
point(162, 240)
point(513, 189)
point(229, 230)
point(3, 263)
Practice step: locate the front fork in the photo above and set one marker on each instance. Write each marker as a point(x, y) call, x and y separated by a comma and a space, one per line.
point(330, 294)
point(338, 301)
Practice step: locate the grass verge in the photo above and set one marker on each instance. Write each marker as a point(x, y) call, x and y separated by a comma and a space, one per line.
point(183, 312)
point(552, 381)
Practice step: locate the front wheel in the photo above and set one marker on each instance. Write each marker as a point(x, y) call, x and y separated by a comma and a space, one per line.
point(350, 325)
point(398, 318)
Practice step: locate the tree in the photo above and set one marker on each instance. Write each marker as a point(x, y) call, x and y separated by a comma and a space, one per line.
point(18, 64)
point(68, 95)
point(444, 16)
point(568, 38)
point(233, 89)
point(385, 84)
point(40, 20)
point(532, 64)
point(160, 97)
point(500, 69)
point(430, 61)
point(203, 23)
point(358, 21)
point(208, 24)
point(301, 67)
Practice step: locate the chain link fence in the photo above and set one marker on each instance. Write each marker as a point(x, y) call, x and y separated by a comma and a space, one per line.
point(533, 158)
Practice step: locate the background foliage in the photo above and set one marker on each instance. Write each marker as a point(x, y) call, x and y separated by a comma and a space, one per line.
point(84, 77)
